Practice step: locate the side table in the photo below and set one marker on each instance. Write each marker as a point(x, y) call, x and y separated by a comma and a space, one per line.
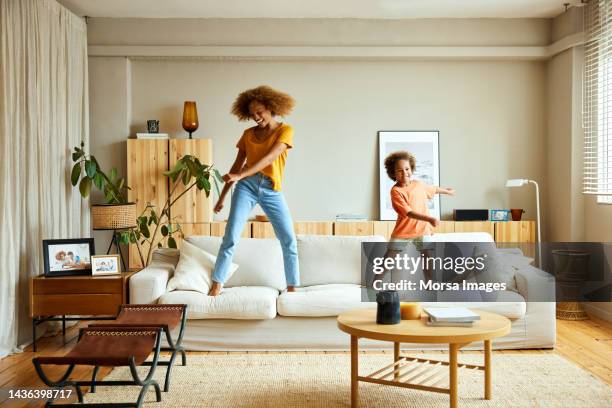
point(90, 296)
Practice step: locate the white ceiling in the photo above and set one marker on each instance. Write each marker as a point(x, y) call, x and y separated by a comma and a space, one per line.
point(317, 8)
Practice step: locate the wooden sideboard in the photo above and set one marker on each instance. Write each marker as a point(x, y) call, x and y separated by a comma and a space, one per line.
point(509, 231)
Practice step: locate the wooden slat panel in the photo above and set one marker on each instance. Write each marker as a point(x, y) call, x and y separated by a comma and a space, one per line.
point(193, 207)
point(354, 228)
point(445, 227)
point(217, 229)
point(263, 230)
point(515, 231)
point(314, 227)
point(147, 161)
point(384, 228)
point(475, 226)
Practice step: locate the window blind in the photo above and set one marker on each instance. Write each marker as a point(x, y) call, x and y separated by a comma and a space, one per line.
point(597, 98)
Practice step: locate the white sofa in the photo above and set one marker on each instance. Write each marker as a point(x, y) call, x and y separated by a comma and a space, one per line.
point(254, 312)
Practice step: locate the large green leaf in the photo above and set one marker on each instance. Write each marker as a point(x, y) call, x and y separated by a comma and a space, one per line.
point(186, 177)
point(218, 175)
point(113, 174)
point(75, 174)
point(164, 230)
point(144, 230)
point(171, 242)
point(90, 168)
point(99, 180)
point(85, 187)
point(193, 168)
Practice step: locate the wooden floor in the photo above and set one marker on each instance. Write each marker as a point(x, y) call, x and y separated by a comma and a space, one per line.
point(587, 343)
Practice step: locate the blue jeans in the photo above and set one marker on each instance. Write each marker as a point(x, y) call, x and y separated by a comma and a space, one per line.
point(257, 189)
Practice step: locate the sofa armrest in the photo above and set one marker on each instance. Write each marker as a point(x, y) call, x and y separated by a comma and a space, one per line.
point(535, 285)
point(150, 283)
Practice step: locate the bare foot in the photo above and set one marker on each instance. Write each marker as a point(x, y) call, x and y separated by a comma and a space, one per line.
point(215, 289)
point(290, 288)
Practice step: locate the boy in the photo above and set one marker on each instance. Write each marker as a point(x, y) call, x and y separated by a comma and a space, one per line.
point(409, 199)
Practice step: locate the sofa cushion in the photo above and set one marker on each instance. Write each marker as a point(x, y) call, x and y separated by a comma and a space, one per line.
point(326, 259)
point(194, 269)
point(244, 303)
point(321, 300)
point(508, 303)
point(260, 261)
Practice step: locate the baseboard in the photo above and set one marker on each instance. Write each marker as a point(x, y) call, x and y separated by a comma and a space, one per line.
point(600, 310)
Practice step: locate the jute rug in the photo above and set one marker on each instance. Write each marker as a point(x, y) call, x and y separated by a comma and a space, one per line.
point(323, 380)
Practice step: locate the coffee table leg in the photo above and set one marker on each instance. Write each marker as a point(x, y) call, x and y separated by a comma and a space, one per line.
point(452, 366)
point(396, 357)
point(487, 370)
point(354, 371)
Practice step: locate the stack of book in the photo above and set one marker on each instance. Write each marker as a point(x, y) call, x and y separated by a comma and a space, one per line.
point(350, 217)
point(152, 136)
point(450, 316)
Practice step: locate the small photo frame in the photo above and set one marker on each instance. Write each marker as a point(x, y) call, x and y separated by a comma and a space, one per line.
point(68, 256)
point(500, 215)
point(105, 265)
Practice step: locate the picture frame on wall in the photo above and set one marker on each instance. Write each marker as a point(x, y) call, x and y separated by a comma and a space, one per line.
point(64, 257)
point(105, 265)
point(424, 145)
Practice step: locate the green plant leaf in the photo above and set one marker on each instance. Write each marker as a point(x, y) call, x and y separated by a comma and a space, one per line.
point(159, 244)
point(193, 168)
point(186, 177)
point(171, 242)
point(164, 230)
point(75, 174)
point(85, 187)
point(90, 168)
point(144, 230)
point(113, 174)
point(218, 175)
point(99, 180)
point(76, 156)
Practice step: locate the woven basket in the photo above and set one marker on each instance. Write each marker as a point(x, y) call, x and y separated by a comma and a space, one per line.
point(571, 311)
point(113, 216)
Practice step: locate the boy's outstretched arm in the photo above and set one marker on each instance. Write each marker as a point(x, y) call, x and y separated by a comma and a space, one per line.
point(445, 190)
point(424, 217)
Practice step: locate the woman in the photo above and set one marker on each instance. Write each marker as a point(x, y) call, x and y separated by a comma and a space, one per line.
point(264, 148)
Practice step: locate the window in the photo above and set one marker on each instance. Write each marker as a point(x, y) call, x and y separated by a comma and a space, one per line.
point(597, 112)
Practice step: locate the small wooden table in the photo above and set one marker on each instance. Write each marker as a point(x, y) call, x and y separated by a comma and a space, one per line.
point(420, 373)
point(78, 295)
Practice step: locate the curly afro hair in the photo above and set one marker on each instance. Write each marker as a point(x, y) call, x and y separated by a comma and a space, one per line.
point(279, 103)
point(394, 157)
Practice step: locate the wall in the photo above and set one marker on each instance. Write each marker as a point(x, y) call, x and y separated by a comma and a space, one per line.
point(490, 114)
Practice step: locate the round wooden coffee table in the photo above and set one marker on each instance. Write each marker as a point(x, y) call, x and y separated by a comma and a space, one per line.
point(420, 373)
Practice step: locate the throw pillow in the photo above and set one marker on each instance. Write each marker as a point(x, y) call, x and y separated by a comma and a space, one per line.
point(194, 270)
point(495, 269)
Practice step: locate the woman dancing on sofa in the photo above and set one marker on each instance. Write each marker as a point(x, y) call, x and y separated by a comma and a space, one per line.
point(264, 148)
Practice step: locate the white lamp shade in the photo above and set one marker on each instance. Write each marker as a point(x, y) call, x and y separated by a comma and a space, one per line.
point(516, 182)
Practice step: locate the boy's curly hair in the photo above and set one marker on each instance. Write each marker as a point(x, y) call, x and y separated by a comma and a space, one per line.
point(279, 103)
point(394, 157)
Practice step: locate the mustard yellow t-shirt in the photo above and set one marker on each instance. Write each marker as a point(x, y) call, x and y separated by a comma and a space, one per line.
point(256, 149)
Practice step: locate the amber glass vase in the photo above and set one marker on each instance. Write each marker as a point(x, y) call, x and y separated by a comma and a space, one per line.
point(190, 117)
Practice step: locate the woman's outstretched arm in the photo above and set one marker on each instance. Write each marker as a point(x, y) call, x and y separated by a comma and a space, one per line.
point(238, 163)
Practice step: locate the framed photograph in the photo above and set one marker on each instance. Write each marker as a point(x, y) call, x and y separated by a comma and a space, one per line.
point(68, 256)
point(500, 215)
point(424, 145)
point(105, 265)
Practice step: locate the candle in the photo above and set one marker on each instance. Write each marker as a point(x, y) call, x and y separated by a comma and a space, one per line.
point(410, 310)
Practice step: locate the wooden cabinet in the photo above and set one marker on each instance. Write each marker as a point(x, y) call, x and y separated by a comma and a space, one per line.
point(147, 161)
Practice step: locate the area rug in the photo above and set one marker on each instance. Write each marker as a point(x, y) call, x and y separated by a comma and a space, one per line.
point(323, 380)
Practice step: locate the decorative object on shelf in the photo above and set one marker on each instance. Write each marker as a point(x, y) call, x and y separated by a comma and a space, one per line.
point(105, 265)
point(571, 268)
point(261, 218)
point(152, 136)
point(117, 214)
point(424, 145)
point(500, 215)
point(190, 117)
point(519, 183)
point(470, 215)
point(410, 310)
point(388, 307)
point(517, 213)
point(153, 126)
point(68, 256)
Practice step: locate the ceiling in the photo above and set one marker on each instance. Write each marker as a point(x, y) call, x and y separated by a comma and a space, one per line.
point(392, 9)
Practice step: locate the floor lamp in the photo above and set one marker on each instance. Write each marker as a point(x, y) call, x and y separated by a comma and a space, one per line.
point(520, 183)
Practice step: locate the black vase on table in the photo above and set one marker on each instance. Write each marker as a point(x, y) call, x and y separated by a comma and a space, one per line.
point(388, 307)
